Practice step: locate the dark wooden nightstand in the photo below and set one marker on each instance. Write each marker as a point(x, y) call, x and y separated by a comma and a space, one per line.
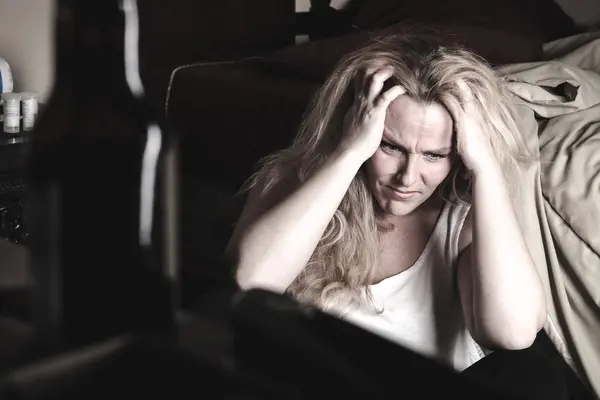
point(14, 151)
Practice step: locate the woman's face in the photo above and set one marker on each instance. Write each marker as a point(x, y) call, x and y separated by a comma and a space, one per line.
point(415, 156)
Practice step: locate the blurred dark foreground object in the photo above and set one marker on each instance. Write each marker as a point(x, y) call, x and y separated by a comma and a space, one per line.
point(315, 354)
point(119, 366)
point(253, 344)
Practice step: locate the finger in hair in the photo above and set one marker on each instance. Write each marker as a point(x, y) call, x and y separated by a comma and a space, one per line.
point(377, 82)
point(390, 95)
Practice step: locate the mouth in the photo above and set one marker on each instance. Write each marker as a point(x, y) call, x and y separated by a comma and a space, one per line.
point(402, 194)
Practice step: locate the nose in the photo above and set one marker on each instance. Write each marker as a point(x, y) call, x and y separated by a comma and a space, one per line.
point(408, 171)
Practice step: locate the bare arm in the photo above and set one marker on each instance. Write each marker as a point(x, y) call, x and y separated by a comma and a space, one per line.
point(273, 249)
point(502, 294)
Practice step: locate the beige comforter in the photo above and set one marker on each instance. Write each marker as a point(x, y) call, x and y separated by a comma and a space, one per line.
point(559, 114)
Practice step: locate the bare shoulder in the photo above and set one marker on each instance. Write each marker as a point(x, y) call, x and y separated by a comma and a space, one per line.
point(466, 233)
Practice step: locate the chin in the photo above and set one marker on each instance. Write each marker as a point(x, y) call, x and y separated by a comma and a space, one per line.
point(397, 208)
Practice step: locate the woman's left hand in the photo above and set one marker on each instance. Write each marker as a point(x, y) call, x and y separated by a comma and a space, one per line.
point(474, 145)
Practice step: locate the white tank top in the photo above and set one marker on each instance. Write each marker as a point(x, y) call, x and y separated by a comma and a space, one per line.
point(421, 305)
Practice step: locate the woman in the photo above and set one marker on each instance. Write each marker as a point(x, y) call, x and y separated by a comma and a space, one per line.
point(391, 207)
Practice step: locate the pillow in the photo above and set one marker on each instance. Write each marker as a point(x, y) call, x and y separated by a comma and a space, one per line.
point(538, 17)
point(312, 60)
point(315, 60)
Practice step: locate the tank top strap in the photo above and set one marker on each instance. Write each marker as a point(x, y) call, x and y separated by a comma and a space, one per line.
point(456, 215)
point(445, 235)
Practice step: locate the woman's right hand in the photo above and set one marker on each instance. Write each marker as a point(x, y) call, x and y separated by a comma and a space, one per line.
point(364, 121)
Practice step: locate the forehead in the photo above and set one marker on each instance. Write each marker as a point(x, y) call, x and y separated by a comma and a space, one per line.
point(410, 121)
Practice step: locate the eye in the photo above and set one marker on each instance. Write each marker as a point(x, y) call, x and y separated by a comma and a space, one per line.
point(435, 157)
point(389, 147)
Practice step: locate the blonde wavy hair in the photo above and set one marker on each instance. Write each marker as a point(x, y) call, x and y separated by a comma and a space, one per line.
point(344, 262)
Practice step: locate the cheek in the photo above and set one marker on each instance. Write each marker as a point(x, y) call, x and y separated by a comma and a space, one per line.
point(379, 166)
point(436, 173)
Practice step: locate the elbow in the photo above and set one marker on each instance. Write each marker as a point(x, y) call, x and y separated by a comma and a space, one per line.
point(244, 279)
point(520, 341)
point(521, 335)
point(242, 276)
point(248, 281)
point(256, 272)
point(516, 338)
point(250, 278)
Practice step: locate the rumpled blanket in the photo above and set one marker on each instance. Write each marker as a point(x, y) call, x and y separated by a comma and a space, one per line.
point(558, 106)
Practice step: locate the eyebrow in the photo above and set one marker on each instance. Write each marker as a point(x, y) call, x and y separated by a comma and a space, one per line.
point(441, 150)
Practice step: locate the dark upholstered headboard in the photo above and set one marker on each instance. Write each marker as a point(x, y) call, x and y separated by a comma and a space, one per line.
point(179, 32)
